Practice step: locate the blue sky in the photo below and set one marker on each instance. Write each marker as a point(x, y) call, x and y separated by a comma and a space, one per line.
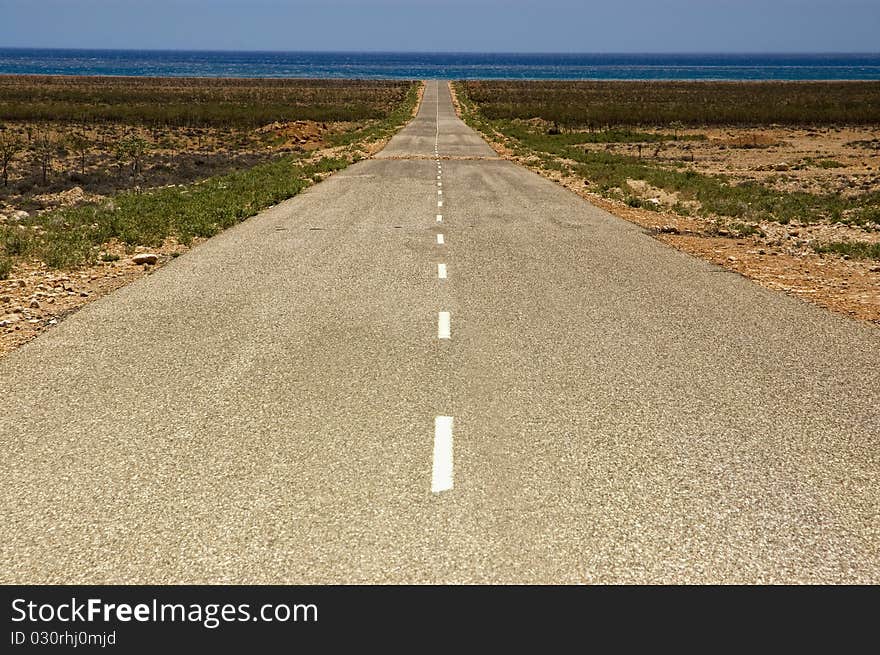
point(447, 25)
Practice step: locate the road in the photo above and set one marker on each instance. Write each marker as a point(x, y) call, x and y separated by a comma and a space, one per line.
point(282, 403)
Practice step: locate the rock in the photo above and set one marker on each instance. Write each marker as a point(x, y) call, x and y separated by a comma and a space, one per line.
point(145, 258)
point(669, 229)
point(34, 304)
point(19, 215)
point(875, 269)
point(72, 196)
point(5, 299)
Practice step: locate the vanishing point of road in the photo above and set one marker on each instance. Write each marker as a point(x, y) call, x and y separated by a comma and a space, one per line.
point(437, 366)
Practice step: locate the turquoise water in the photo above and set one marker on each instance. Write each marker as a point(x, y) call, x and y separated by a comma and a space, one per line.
point(441, 65)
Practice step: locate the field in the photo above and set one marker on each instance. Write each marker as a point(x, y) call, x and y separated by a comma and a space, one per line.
point(109, 134)
point(605, 104)
point(763, 178)
point(194, 102)
point(97, 170)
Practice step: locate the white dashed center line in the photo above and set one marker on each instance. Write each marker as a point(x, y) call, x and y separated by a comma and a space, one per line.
point(441, 475)
point(443, 325)
point(442, 468)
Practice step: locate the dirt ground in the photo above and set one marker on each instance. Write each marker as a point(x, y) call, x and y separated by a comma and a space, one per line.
point(35, 298)
point(815, 160)
point(844, 160)
point(155, 157)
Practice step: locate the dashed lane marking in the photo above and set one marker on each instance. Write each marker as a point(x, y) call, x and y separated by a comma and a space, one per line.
point(444, 328)
point(442, 470)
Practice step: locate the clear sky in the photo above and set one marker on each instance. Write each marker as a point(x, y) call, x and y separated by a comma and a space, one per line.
point(447, 25)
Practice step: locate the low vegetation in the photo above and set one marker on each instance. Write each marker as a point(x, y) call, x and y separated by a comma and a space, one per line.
point(582, 104)
point(194, 102)
point(67, 238)
point(856, 250)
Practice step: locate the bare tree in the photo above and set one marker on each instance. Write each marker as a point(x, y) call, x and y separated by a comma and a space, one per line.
point(44, 149)
point(677, 126)
point(80, 144)
point(132, 150)
point(10, 146)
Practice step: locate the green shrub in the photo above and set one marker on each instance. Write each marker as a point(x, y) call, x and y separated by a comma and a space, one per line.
point(854, 249)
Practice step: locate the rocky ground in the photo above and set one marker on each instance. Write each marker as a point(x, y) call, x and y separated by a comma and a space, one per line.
point(37, 298)
point(815, 160)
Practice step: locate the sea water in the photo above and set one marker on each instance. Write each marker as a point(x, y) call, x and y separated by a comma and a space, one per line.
point(389, 65)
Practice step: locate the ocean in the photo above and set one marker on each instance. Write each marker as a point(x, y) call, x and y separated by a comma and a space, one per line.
point(375, 65)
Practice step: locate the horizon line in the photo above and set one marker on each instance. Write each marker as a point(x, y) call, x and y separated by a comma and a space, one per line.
point(451, 52)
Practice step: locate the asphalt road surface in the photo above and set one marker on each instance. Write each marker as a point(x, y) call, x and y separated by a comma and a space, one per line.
point(311, 397)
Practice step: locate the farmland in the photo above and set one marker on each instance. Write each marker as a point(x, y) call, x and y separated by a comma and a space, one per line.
point(762, 178)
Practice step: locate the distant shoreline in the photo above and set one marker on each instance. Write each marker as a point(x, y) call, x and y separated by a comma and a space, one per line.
point(467, 66)
point(270, 80)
